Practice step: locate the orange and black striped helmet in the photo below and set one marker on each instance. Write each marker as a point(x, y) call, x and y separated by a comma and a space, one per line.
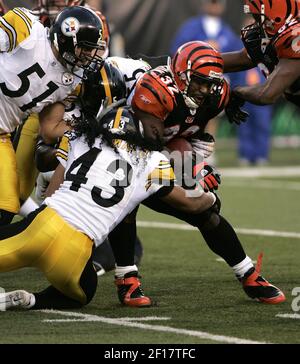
point(197, 60)
point(272, 14)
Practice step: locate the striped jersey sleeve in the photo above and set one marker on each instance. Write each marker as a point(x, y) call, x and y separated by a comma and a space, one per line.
point(15, 27)
point(63, 149)
point(161, 177)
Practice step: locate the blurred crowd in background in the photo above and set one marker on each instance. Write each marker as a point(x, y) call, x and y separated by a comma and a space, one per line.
point(155, 28)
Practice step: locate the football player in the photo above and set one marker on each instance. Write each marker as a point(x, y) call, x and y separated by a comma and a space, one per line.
point(178, 100)
point(272, 43)
point(109, 171)
point(47, 70)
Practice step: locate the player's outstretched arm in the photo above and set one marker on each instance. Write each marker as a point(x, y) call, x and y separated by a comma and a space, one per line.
point(237, 61)
point(284, 75)
point(52, 125)
point(179, 199)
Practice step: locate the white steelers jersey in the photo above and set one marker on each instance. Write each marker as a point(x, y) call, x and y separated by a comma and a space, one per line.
point(30, 75)
point(101, 186)
point(132, 69)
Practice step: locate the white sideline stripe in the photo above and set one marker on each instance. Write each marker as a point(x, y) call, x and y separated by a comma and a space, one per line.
point(242, 231)
point(120, 322)
point(294, 316)
point(270, 185)
point(261, 172)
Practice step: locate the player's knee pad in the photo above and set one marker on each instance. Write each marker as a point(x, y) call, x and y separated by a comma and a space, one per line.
point(212, 222)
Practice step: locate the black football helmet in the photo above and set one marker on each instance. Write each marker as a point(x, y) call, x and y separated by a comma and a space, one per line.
point(121, 123)
point(107, 83)
point(77, 35)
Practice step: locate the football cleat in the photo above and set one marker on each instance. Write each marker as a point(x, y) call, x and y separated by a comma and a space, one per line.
point(16, 299)
point(259, 288)
point(130, 292)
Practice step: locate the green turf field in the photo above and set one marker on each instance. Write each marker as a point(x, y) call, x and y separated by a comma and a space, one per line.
point(198, 298)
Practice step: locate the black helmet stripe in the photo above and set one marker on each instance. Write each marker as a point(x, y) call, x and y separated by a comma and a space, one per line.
point(213, 58)
point(296, 10)
point(197, 49)
point(255, 5)
point(271, 3)
point(288, 9)
point(192, 52)
point(210, 64)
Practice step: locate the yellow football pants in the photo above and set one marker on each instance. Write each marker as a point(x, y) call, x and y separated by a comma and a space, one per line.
point(9, 182)
point(47, 242)
point(26, 168)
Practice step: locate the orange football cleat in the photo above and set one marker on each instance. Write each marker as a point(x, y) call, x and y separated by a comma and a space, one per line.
point(259, 288)
point(130, 292)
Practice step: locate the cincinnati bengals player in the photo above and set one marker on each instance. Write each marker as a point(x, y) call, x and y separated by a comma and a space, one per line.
point(181, 98)
point(273, 44)
point(178, 101)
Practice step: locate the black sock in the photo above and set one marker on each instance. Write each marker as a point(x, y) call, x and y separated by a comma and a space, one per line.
point(122, 240)
point(223, 241)
point(6, 217)
point(51, 298)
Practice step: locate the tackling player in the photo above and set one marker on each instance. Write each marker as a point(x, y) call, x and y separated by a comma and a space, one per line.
point(108, 173)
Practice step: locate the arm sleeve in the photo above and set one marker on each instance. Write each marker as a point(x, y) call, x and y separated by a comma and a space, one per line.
point(161, 179)
point(63, 150)
point(15, 27)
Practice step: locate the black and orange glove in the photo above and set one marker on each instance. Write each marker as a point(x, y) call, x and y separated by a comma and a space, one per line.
point(208, 177)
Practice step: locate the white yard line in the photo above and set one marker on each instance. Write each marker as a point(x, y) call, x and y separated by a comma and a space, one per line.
point(242, 231)
point(279, 172)
point(263, 184)
point(76, 316)
point(294, 316)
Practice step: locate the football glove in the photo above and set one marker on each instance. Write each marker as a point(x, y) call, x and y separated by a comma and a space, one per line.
point(208, 177)
point(233, 110)
point(205, 145)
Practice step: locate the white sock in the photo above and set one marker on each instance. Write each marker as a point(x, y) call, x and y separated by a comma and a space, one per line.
point(32, 301)
point(28, 206)
point(121, 271)
point(241, 268)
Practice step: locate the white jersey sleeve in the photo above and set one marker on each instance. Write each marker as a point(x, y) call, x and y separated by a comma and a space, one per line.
point(15, 27)
point(132, 69)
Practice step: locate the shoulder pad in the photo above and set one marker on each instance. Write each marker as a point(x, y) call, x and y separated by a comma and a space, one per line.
point(17, 25)
point(155, 93)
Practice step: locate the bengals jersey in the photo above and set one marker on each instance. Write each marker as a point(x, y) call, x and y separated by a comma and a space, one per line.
point(30, 75)
point(284, 45)
point(156, 93)
point(102, 186)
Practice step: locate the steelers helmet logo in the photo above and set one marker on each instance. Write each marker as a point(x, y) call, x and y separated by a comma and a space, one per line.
point(70, 27)
point(67, 78)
